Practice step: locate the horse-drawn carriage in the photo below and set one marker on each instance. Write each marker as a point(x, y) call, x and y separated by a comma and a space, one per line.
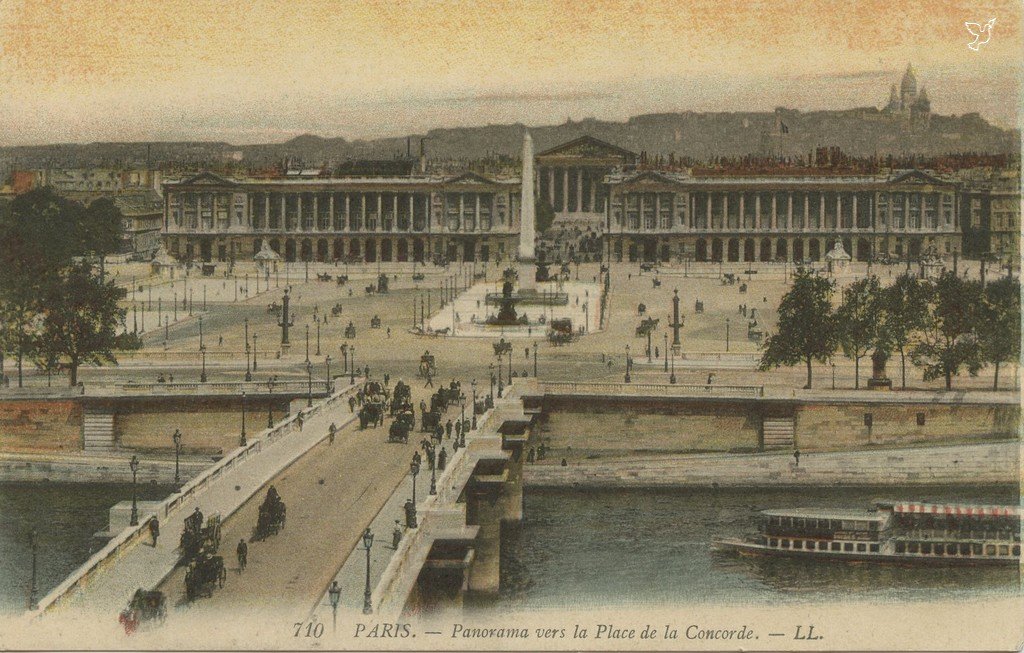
point(271, 517)
point(381, 288)
point(203, 573)
point(375, 400)
point(429, 419)
point(274, 309)
point(323, 277)
point(641, 308)
point(144, 608)
point(418, 276)
point(560, 332)
point(336, 310)
point(427, 366)
point(342, 279)
point(401, 398)
point(698, 306)
point(375, 322)
point(402, 426)
point(350, 331)
point(647, 267)
point(647, 325)
point(198, 538)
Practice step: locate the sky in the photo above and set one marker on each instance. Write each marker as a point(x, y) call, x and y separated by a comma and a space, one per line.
point(253, 71)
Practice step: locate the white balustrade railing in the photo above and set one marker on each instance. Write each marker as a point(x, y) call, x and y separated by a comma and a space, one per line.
point(127, 538)
point(651, 389)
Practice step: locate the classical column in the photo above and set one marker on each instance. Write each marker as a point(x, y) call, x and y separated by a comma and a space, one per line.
point(266, 210)
point(853, 217)
point(565, 190)
point(821, 212)
point(298, 212)
point(775, 212)
point(394, 213)
point(551, 186)
point(412, 210)
point(593, 192)
point(906, 213)
point(476, 215)
point(657, 211)
point(348, 214)
point(284, 212)
point(579, 190)
point(807, 211)
point(316, 211)
point(789, 213)
point(725, 213)
point(757, 211)
point(741, 218)
point(839, 210)
point(708, 197)
point(462, 207)
point(330, 211)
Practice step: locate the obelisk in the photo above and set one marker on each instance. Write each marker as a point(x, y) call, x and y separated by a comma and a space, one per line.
point(527, 221)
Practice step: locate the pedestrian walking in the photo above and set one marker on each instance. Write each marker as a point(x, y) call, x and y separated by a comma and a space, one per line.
point(242, 551)
point(711, 377)
point(448, 429)
point(351, 404)
point(796, 457)
point(331, 431)
point(389, 332)
point(154, 530)
point(430, 381)
point(396, 535)
point(387, 379)
point(298, 421)
point(442, 459)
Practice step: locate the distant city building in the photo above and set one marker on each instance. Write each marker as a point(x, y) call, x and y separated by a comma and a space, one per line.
point(663, 216)
point(991, 224)
point(570, 178)
point(143, 218)
point(908, 103)
point(467, 217)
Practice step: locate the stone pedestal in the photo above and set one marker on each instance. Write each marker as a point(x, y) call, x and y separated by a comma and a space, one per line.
point(527, 270)
point(878, 380)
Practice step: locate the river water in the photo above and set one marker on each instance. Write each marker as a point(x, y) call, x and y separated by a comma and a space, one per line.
point(607, 548)
point(624, 547)
point(65, 516)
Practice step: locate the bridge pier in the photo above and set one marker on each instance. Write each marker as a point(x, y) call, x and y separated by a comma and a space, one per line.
point(443, 579)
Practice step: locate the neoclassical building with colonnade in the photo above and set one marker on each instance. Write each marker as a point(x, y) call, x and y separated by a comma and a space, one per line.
point(469, 217)
point(663, 216)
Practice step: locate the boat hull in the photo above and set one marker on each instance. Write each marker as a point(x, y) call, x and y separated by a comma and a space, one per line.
point(753, 549)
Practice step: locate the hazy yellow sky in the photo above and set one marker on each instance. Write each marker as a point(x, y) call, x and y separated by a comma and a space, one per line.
point(251, 71)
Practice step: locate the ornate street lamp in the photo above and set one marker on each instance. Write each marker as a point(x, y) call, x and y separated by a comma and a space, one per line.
point(202, 375)
point(177, 453)
point(628, 379)
point(414, 469)
point(433, 472)
point(726, 334)
point(473, 384)
point(352, 363)
point(510, 348)
point(133, 464)
point(248, 372)
point(501, 385)
point(490, 370)
point(367, 543)
point(254, 350)
point(344, 353)
point(309, 387)
point(666, 351)
point(307, 343)
point(316, 318)
point(327, 361)
point(534, 361)
point(334, 593)
point(242, 441)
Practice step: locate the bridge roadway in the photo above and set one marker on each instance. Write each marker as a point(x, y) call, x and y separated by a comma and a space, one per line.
point(332, 494)
point(332, 491)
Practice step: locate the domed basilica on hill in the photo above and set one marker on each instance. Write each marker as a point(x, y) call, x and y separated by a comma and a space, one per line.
point(907, 102)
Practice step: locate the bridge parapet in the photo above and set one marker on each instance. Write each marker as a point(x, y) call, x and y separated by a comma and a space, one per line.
point(122, 544)
point(650, 389)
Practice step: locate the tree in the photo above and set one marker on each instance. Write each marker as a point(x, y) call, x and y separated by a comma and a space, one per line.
point(544, 216)
point(903, 312)
point(999, 324)
point(80, 321)
point(38, 230)
point(100, 230)
point(857, 321)
point(948, 342)
point(807, 325)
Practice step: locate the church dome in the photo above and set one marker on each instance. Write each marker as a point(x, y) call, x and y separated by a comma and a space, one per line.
point(909, 84)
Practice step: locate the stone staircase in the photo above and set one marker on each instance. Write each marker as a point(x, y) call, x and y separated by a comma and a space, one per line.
point(778, 432)
point(98, 431)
